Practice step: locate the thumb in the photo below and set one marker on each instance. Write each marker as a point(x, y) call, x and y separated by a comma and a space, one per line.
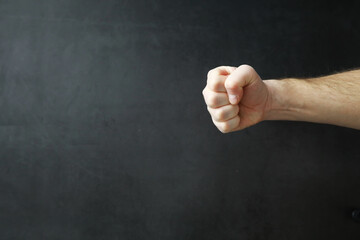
point(237, 80)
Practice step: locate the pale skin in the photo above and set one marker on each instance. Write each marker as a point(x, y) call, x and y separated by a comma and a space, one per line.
point(237, 98)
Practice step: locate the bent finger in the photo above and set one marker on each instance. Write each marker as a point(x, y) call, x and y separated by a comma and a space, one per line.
point(214, 99)
point(224, 113)
point(228, 126)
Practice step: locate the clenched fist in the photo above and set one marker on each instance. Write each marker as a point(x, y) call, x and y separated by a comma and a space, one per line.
point(236, 98)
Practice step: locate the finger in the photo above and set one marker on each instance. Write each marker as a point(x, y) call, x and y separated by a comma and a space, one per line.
point(216, 78)
point(227, 126)
point(224, 113)
point(216, 83)
point(222, 70)
point(237, 80)
point(214, 99)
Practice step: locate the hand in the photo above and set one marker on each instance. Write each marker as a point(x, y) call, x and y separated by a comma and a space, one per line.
point(236, 98)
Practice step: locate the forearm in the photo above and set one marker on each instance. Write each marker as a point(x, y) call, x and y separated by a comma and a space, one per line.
point(333, 99)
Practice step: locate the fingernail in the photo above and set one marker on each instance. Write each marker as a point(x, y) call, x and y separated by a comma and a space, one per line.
point(232, 99)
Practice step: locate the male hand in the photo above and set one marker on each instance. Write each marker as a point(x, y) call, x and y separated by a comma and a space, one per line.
point(236, 98)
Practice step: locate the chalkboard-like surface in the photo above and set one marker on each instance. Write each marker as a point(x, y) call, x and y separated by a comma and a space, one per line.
point(104, 133)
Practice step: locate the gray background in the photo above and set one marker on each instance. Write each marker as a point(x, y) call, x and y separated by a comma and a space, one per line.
point(104, 133)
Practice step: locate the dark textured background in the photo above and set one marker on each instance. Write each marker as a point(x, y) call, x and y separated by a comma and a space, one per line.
point(104, 133)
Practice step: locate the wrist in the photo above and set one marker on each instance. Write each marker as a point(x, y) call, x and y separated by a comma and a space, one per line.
point(285, 99)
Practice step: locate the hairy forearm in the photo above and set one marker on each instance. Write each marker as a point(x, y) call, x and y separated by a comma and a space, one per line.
point(333, 99)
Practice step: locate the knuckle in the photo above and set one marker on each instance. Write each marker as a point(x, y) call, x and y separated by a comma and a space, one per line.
point(220, 115)
point(220, 129)
point(213, 72)
point(211, 111)
point(212, 100)
point(246, 67)
point(210, 73)
point(225, 127)
point(214, 83)
point(232, 85)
